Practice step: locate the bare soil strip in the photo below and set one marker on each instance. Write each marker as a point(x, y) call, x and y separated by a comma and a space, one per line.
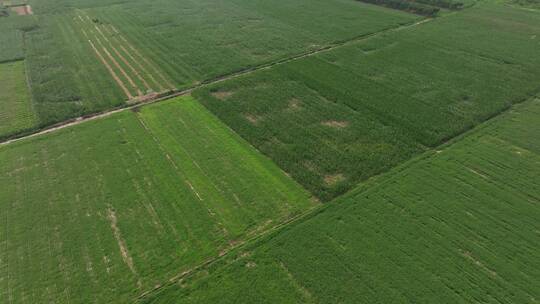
point(169, 158)
point(126, 257)
point(111, 71)
point(151, 65)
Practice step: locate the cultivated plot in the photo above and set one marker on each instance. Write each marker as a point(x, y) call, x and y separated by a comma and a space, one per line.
point(136, 75)
point(16, 109)
point(459, 225)
point(66, 77)
point(192, 41)
point(109, 209)
point(89, 56)
point(11, 38)
point(338, 117)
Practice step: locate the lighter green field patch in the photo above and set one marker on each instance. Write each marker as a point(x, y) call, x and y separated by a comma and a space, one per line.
point(16, 112)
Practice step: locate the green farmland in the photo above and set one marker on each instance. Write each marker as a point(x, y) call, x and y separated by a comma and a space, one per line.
point(459, 225)
point(265, 151)
point(170, 194)
point(16, 112)
point(338, 117)
point(90, 56)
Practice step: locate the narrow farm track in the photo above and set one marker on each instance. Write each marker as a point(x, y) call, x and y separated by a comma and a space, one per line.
point(208, 82)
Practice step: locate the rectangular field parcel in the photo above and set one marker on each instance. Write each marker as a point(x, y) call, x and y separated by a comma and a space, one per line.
point(459, 225)
point(88, 56)
point(338, 117)
point(106, 210)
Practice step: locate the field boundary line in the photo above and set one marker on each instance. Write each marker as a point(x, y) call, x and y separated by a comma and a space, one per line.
point(185, 91)
point(362, 187)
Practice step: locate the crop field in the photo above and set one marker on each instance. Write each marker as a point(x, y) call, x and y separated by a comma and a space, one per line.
point(122, 204)
point(459, 225)
point(66, 76)
point(11, 38)
point(89, 56)
point(16, 113)
point(338, 117)
point(264, 151)
point(215, 38)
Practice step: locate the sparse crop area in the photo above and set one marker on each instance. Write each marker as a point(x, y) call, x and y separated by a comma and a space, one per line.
point(107, 210)
point(459, 225)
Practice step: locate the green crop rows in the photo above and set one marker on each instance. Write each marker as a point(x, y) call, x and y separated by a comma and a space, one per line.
point(88, 56)
point(16, 113)
point(339, 117)
point(459, 225)
point(124, 203)
point(388, 118)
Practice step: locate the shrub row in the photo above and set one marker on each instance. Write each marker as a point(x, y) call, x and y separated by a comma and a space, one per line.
point(448, 4)
point(412, 7)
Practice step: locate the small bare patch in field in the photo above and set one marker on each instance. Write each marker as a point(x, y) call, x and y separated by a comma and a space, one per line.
point(22, 10)
point(333, 179)
point(222, 95)
point(311, 166)
point(250, 264)
point(254, 119)
point(335, 124)
point(294, 105)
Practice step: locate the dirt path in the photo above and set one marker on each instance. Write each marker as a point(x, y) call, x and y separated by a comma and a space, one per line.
point(176, 93)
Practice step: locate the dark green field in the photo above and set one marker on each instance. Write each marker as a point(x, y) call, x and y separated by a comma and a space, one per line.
point(457, 225)
point(339, 117)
